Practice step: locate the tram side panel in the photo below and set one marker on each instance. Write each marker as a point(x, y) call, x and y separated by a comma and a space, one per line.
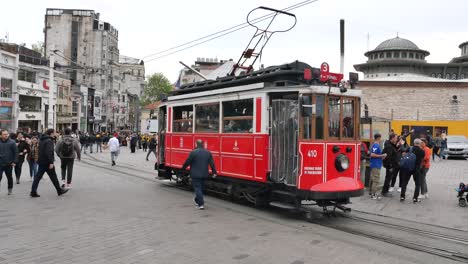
point(242, 156)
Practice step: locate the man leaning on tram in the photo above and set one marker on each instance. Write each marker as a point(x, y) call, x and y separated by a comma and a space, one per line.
point(198, 160)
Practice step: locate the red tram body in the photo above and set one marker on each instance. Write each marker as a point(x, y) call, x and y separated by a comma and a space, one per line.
point(278, 136)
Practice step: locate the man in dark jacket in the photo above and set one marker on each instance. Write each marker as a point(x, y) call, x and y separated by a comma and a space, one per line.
point(390, 163)
point(66, 149)
point(8, 158)
point(23, 150)
point(133, 142)
point(46, 164)
point(91, 141)
point(198, 160)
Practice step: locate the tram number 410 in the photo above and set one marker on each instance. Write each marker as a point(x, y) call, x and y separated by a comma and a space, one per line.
point(312, 153)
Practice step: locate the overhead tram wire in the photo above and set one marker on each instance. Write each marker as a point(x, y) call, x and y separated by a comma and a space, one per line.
point(229, 31)
point(224, 30)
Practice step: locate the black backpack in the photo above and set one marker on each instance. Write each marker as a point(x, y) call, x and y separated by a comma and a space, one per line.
point(67, 148)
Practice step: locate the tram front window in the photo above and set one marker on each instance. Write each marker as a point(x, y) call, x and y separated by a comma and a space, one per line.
point(313, 108)
point(334, 109)
point(348, 118)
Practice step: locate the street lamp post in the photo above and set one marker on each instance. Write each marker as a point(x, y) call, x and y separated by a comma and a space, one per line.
point(50, 116)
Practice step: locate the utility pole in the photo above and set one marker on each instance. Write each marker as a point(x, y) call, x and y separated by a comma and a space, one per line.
point(50, 116)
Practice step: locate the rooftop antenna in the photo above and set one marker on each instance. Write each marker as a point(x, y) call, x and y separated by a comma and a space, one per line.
point(259, 35)
point(342, 44)
point(368, 41)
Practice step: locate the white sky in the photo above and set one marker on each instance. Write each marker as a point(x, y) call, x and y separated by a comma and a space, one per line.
point(146, 27)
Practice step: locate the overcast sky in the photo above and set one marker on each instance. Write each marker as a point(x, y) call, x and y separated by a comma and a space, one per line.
point(146, 27)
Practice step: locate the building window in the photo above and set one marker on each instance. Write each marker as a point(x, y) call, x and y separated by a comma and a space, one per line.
point(462, 76)
point(74, 106)
point(447, 76)
point(238, 116)
point(123, 98)
point(30, 103)
point(454, 76)
point(207, 118)
point(183, 118)
point(388, 55)
point(27, 76)
point(411, 55)
point(334, 109)
point(381, 55)
point(396, 54)
point(404, 55)
point(6, 88)
point(439, 75)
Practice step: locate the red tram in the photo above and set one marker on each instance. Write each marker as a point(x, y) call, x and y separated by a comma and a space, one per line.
point(278, 136)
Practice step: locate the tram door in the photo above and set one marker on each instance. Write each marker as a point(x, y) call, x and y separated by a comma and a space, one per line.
point(284, 137)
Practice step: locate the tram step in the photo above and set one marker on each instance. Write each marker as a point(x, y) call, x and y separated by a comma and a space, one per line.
point(283, 205)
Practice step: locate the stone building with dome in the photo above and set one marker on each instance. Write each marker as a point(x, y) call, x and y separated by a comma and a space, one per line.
point(399, 56)
point(400, 85)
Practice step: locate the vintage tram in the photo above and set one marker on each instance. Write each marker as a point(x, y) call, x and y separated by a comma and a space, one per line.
point(278, 136)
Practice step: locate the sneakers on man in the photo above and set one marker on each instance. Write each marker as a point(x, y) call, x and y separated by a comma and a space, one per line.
point(402, 199)
point(379, 197)
point(373, 197)
point(34, 195)
point(391, 189)
point(10, 191)
point(399, 190)
point(420, 197)
point(201, 207)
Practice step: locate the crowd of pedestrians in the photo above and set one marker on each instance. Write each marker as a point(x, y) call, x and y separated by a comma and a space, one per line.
point(402, 162)
point(39, 150)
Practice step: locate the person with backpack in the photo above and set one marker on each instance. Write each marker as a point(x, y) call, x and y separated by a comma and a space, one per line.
point(152, 146)
point(410, 165)
point(66, 149)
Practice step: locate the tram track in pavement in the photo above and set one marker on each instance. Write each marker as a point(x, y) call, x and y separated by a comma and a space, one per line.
point(421, 240)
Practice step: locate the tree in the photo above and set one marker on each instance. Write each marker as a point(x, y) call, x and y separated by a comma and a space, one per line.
point(39, 47)
point(156, 86)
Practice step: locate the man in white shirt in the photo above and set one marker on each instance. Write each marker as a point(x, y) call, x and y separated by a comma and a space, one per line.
point(114, 148)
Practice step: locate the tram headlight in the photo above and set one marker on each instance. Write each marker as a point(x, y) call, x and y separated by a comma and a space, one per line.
point(342, 163)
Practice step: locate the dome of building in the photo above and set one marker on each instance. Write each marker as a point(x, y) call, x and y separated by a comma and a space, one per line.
point(397, 44)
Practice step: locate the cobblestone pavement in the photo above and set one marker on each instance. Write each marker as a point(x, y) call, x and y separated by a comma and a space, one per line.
point(123, 215)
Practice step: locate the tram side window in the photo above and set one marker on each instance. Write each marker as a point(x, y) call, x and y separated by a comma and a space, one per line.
point(307, 116)
point(207, 118)
point(348, 118)
point(238, 116)
point(183, 118)
point(334, 117)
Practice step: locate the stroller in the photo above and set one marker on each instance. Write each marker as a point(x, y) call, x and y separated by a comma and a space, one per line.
point(462, 194)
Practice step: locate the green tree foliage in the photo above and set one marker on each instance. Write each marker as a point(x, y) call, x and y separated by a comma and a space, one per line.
point(38, 47)
point(156, 86)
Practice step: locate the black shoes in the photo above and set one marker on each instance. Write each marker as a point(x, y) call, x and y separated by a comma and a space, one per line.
point(63, 191)
point(113, 163)
point(34, 195)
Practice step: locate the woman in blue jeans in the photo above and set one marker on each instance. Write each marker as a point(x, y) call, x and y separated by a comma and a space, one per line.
point(33, 156)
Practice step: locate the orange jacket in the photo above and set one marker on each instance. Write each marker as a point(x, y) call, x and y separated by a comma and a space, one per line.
point(427, 158)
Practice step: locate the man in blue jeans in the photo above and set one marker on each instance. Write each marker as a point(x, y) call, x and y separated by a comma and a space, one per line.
point(198, 160)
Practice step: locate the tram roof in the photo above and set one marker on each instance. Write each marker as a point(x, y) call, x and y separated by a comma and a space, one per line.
point(281, 75)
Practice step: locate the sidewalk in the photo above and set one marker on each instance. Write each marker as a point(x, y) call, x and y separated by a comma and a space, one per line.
point(441, 208)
